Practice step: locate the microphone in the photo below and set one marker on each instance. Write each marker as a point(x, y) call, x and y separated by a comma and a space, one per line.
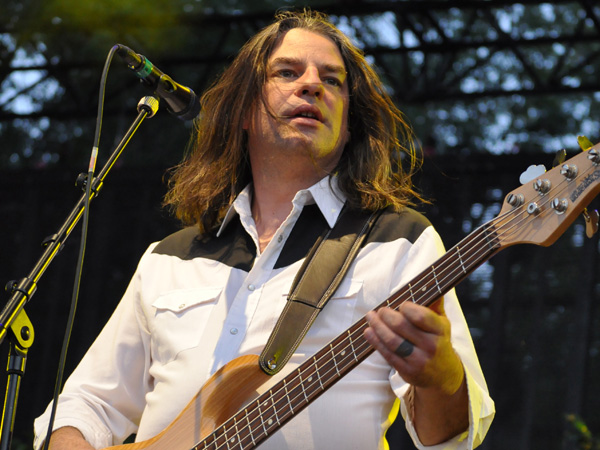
point(182, 102)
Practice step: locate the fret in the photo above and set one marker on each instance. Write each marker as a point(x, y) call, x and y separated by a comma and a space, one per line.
point(342, 355)
point(287, 396)
point(204, 444)
point(249, 426)
point(270, 419)
point(268, 412)
point(218, 440)
point(302, 385)
point(237, 431)
point(214, 440)
point(226, 439)
point(262, 421)
point(333, 359)
point(460, 260)
point(352, 346)
point(435, 279)
point(489, 238)
point(412, 296)
point(317, 373)
point(275, 411)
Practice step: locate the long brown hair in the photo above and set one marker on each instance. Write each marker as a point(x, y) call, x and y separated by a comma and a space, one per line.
point(375, 168)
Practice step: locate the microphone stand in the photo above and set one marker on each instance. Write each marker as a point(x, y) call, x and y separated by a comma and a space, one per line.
point(13, 319)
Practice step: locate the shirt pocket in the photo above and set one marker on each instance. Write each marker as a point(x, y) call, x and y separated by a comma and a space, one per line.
point(337, 314)
point(180, 320)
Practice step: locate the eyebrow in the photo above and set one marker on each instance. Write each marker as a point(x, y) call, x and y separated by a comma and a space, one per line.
point(331, 68)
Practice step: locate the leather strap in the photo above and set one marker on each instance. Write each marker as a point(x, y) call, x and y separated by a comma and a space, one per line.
point(320, 275)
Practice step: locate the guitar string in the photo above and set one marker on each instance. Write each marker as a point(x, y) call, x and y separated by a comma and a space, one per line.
point(523, 213)
point(555, 192)
point(561, 187)
point(362, 348)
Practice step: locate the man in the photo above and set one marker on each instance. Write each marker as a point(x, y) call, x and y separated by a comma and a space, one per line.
point(296, 127)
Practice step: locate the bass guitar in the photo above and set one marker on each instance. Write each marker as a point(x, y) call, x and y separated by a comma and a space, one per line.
point(229, 414)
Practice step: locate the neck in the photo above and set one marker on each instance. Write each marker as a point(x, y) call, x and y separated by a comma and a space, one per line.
point(272, 202)
point(277, 176)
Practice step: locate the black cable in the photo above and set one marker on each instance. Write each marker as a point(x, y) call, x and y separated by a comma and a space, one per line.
point(84, 231)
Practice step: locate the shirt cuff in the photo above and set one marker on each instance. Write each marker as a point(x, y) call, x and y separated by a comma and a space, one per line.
point(97, 436)
point(480, 418)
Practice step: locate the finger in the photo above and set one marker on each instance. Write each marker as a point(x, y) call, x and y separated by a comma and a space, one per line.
point(400, 322)
point(395, 345)
point(388, 353)
point(424, 318)
point(392, 328)
point(416, 323)
point(405, 349)
point(398, 354)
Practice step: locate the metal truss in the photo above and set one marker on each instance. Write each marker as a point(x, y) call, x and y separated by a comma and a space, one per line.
point(426, 51)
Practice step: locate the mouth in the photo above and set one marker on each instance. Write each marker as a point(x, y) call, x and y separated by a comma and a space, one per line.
point(306, 112)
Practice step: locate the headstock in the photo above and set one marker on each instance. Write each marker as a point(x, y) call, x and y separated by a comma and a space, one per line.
point(542, 209)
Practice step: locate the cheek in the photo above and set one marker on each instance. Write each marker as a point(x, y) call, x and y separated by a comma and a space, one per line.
point(275, 96)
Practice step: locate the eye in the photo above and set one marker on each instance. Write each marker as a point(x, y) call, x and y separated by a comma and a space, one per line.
point(333, 82)
point(286, 73)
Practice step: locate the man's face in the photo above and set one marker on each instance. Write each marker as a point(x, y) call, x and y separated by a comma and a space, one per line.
point(307, 90)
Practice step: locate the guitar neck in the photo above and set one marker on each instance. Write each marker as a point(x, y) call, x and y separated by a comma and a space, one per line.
point(266, 414)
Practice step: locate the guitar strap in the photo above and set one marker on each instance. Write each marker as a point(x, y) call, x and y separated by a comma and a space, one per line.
point(320, 275)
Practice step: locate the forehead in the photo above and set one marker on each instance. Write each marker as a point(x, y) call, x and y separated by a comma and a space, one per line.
point(307, 46)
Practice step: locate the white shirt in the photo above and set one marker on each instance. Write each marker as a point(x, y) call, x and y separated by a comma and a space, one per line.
point(183, 317)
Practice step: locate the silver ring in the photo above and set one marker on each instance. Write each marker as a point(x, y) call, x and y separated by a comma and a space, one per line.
point(405, 349)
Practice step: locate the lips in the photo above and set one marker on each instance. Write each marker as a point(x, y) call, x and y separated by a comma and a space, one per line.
point(306, 111)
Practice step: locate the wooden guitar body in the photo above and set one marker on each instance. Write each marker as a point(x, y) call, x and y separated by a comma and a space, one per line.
point(225, 393)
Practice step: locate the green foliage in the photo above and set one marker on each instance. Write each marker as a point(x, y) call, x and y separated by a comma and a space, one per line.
point(580, 435)
point(463, 76)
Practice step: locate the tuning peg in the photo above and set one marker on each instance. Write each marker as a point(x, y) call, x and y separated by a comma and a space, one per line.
point(559, 158)
point(584, 143)
point(591, 222)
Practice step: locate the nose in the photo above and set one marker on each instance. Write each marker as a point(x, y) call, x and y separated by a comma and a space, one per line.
point(310, 83)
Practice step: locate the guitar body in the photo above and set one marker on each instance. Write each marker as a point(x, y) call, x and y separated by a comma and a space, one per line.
point(225, 393)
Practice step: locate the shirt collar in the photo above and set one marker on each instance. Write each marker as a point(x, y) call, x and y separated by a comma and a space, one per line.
point(325, 194)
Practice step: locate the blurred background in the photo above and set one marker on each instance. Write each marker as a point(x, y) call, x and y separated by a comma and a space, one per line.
point(491, 87)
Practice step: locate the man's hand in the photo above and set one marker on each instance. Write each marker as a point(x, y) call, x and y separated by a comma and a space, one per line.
point(415, 340)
